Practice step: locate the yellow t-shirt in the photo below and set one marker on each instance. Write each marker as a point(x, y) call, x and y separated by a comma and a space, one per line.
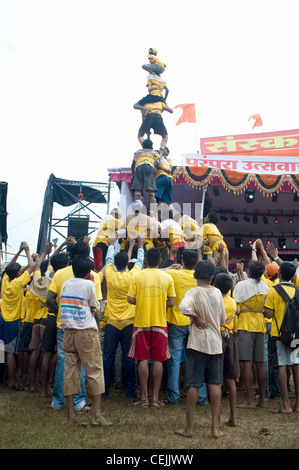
point(183, 281)
point(176, 236)
point(65, 274)
point(275, 302)
point(251, 316)
point(118, 283)
point(157, 86)
point(212, 234)
point(13, 296)
point(148, 158)
point(151, 287)
point(39, 287)
point(107, 230)
point(141, 225)
point(30, 306)
point(172, 232)
point(230, 306)
point(123, 243)
point(190, 228)
point(161, 244)
point(269, 284)
point(155, 108)
point(166, 164)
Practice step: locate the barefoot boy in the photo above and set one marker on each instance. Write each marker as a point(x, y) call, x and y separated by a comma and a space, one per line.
point(204, 304)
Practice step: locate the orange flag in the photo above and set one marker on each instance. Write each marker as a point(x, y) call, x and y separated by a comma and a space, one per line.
point(188, 114)
point(258, 120)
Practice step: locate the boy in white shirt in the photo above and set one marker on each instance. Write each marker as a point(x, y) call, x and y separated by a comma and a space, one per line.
point(81, 344)
point(204, 305)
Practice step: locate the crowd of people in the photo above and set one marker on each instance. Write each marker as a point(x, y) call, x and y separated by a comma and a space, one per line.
point(187, 323)
point(154, 303)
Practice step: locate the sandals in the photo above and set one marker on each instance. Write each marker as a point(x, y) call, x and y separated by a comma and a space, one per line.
point(169, 402)
point(16, 388)
point(140, 403)
point(157, 404)
point(85, 408)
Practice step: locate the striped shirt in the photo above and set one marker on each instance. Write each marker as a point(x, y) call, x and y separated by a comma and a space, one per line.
point(76, 299)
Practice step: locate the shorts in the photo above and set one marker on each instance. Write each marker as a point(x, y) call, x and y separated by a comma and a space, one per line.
point(251, 346)
point(49, 339)
point(164, 189)
point(156, 68)
point(10, 335)
point(26, 334)
point(150, 99)
point(149, 343)
point(231, 367)
point(153, 121)
point(203, 368)
point(99, 255)
point(281, 355)
point(83, 347)
point(144, 176)
point(37, 333)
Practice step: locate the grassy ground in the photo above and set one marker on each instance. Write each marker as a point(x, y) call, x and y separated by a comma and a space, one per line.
point(27, 422)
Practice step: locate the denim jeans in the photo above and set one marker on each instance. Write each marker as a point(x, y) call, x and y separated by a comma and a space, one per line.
point(114, 336)
point(202, 396)
point(58, 399)
point(118, 368)
point(272, 380)
point(177, 337)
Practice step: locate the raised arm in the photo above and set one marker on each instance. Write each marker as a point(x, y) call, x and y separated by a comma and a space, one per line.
point(31, 265)
point(66, 242)
point(45, 253)
point(240, 271)
point(16, 256)
point(273, 252)
point(131, 246)
point(259, 244)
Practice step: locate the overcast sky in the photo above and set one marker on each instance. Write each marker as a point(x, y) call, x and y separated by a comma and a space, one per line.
point(70, 72)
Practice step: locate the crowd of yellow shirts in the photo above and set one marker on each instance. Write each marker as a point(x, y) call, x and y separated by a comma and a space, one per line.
point(118, 311)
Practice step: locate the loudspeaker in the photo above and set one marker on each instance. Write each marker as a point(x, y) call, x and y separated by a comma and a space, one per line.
point(78, 227)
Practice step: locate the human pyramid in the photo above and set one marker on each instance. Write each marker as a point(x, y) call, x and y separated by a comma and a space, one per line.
point(156, 302)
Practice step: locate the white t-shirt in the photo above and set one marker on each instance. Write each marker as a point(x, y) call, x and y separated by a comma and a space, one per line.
point(208, 304)
point(76, 298)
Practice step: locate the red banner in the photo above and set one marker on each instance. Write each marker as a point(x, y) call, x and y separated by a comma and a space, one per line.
point(265, 141)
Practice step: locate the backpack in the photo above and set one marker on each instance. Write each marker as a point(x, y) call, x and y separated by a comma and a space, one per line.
point(289, 329)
